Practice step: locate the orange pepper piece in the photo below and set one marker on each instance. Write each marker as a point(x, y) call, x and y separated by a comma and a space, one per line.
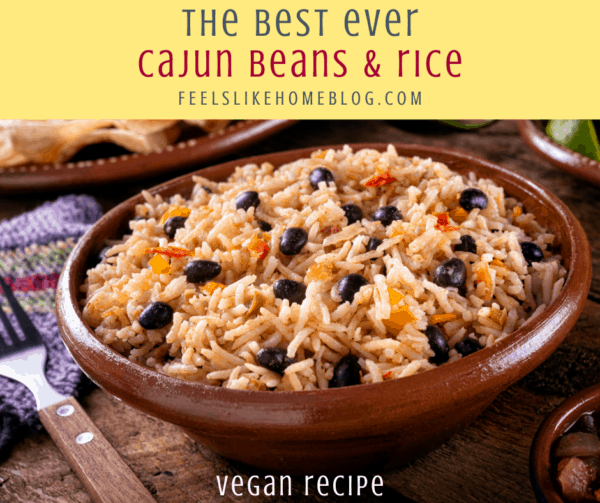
point(159, 265)
point(399, 318)
point(443, 318)
point(210, 287)
point(395, 296)
point(319, 271)
point(175, 211)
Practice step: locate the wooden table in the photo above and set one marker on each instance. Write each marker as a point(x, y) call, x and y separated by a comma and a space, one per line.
point(487, 462)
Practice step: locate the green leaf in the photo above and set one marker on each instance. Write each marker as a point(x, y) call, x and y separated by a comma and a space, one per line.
point(468, 124)
point(578, 135)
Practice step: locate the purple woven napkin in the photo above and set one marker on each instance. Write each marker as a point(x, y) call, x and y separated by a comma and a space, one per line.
point(33, 249)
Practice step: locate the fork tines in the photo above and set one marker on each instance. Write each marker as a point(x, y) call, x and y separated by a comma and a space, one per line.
point(32, 336)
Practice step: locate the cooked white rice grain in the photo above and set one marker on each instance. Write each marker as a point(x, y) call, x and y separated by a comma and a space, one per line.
point(219, 326)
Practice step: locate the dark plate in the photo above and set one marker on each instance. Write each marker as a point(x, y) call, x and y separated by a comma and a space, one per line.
point(128, 167)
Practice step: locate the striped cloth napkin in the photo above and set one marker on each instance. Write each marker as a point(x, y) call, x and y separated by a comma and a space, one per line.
point(33, 249)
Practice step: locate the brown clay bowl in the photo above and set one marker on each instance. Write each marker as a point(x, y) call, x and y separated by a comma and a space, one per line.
point(562, 157)
point(555, 425)
point(348, 430)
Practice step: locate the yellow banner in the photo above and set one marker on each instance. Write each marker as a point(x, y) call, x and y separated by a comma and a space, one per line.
point(302, 60)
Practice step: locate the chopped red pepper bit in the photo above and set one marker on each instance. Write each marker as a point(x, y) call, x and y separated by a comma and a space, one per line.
point(171, 251)
point(334, 229)
point(380, 180)
point(387, 376)
point(443, 223)
point(258, 248)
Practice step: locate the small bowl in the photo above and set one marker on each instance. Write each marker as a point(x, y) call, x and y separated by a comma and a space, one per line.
point(564, 158)
point(349, 430)
point(555, 425)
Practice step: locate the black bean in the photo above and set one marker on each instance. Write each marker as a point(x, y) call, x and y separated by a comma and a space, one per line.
point(172, 224)
point(274, 359)
point(353, 213)
point(451, 272)
point(473, 198)
point(199, 271)
point(156, 315)
point(292, 240)
point(438, 344)
point(373, 244)
point(247, 199)
point(346, 372)
point(349, 286)
point(319, 175)
point(264, 226)
point(290, 290)
point(387, 214)
point(531, 252)
point(197, 190)
point(467, 244)
point(139, 217)
point(467, 346)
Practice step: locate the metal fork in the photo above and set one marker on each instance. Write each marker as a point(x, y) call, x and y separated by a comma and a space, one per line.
point(102, 471)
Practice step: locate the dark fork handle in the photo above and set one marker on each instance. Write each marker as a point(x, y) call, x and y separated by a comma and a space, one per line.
point(27, 326)
point(105, 475)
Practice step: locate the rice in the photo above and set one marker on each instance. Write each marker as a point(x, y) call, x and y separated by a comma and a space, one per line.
point(219, 327)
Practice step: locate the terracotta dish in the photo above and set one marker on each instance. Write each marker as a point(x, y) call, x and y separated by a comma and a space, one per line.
point(35, 178)
point(555, 425)
point(566, 159)
point(353, 429)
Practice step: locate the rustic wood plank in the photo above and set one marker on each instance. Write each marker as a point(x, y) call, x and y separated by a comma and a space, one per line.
point(103, 473)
